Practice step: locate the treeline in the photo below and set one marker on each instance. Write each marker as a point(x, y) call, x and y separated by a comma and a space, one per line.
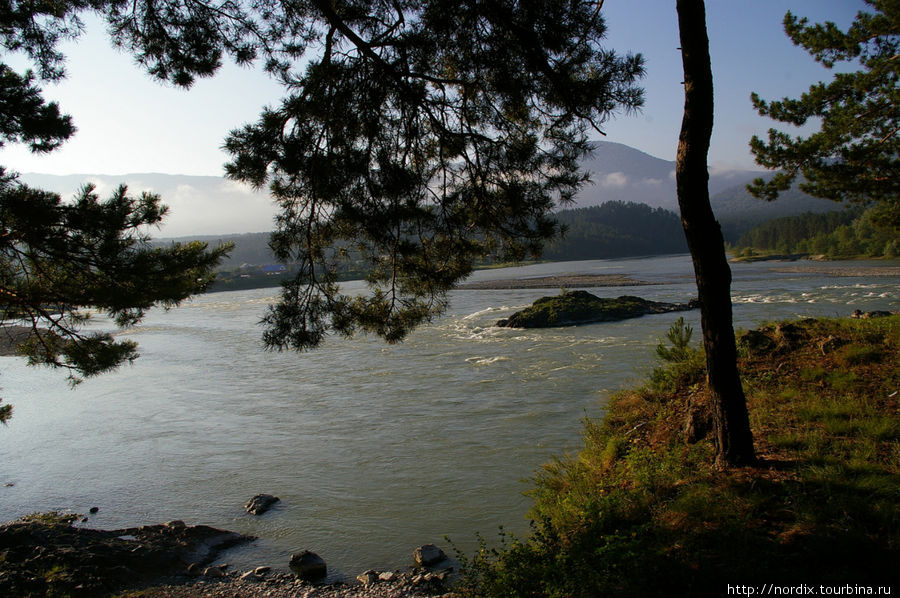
point(613, 229)
point(249, 248)
point(841, 234)
point(616, 229)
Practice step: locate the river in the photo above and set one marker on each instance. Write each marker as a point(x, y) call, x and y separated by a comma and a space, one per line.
point(373, 449)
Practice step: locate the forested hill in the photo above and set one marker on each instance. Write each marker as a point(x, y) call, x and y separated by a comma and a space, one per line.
point(617, 229)
point(843, 234)
point(737, 211)
point(614, 229)
point(210, 204)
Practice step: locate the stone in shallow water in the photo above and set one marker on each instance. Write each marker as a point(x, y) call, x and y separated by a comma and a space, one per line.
point(308, 565)
point(428, 555)
point(260, 503)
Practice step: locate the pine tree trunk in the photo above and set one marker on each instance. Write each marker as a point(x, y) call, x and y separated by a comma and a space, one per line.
point(734, 441)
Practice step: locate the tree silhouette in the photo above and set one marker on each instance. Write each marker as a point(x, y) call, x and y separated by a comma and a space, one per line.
point(854, 153)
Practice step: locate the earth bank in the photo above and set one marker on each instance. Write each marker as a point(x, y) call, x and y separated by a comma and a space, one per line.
point(44, 555)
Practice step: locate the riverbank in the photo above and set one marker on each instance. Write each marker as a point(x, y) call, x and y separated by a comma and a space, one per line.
point(44, 555)
point(249, 585)
point(366, 444)
point(641, 510)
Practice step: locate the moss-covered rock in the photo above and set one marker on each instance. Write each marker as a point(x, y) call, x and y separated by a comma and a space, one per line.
point(580, 307)
point(44, 555)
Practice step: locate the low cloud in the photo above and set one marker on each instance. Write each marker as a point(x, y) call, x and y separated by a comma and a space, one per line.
point(229, 186)
point(726, 170)
point(652, 182)
point(186, 192)
point(614, 179)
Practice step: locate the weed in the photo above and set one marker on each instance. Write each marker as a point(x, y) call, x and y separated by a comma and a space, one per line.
point(859, 355)
point(640, 509)
point(52, 518)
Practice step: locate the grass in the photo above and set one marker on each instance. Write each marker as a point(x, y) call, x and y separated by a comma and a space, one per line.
point(62, 518)
point(641, 510)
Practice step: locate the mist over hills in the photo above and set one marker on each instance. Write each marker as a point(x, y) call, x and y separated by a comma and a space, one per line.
point(622, 173)
point(198, 205)
point(210, 205)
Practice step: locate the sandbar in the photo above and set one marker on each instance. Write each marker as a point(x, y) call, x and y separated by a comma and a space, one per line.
point(569, 281)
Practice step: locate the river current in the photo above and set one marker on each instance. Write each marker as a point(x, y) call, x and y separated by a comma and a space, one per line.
point(373, 449)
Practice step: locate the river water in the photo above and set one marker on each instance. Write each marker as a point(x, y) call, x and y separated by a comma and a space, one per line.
point(373, 449)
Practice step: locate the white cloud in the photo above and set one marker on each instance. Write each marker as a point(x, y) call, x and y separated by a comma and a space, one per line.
point(652, 182)
point(614, 179)
point(229, 186)
point(185, 192)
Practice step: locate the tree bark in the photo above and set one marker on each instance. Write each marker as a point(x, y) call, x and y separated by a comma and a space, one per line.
point(734, 440)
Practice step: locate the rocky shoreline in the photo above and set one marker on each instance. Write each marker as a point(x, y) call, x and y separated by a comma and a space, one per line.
point(389, 584)
point(44, 555)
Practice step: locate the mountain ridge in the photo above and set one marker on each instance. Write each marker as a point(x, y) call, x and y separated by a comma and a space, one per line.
point(212, 205)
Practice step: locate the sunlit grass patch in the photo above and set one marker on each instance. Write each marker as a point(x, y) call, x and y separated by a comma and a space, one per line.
point(641, 506)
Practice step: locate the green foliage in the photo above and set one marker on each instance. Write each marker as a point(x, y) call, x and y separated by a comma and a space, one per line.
point(684, 366)
point(62, 260)
point(418, 137)
point(616, 229)
point(854, 154)
point(27, 118)
point(640, 510)
point(63, 518)
point(859, 354)
point(59, 260)
point(425, 136)
point(843, 234)
point(679, 336)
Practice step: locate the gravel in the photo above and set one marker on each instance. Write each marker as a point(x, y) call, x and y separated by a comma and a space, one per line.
point(413, 584)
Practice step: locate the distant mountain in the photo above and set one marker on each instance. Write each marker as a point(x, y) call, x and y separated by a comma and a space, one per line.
point(209, 205)
point(738, 211)
point(622, 173)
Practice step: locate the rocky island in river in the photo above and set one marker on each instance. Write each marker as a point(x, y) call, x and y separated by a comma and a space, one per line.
point(580, 307)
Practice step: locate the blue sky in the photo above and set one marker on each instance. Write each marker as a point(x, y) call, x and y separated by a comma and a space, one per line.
point(129, 123)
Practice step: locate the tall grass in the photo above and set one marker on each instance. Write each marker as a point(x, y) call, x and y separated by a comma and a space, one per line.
point(641, 510)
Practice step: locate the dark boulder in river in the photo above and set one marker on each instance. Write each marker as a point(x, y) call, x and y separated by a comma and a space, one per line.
point(308, 566)
point(428, 555)
point(580, 307)
point(260, 503)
